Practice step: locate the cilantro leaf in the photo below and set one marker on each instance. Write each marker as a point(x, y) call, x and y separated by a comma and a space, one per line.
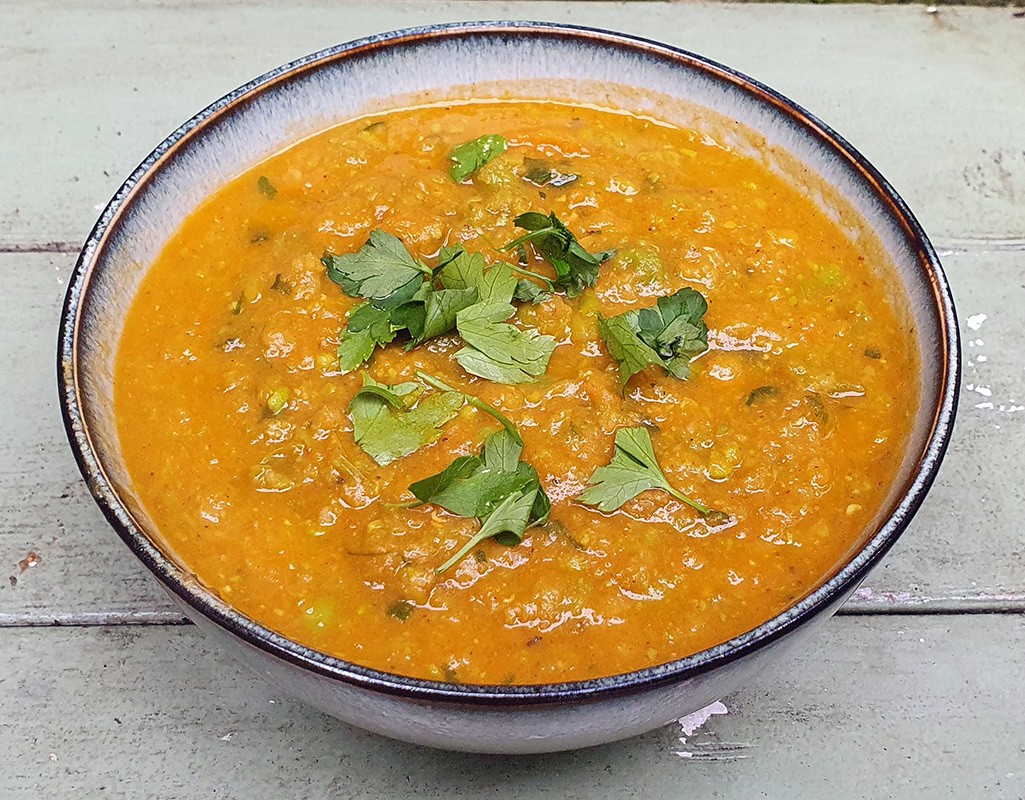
point(626, 346)
point(668, 334)
point(476, 402)
point(462, 270)
point(499, 351)
point(382, 271)
point(633, 469)
point(541, 172)
point(508, 522)
point(529, 292)
point(390, 422)
point(403, 296)
point(575, 267)
point(471, 156)
point(441, 306)
point(266, 187)
point(368, 328)
point(504, 493)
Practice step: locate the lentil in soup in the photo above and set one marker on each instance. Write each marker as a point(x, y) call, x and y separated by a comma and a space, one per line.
point(333, 327)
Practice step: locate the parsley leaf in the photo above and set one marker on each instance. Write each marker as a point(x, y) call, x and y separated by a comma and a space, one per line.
point(633, 469)
point(390, 422)
point(382, 271)
point(669, 335)
point(575, 267)
point(496, 487)
point(499, 351)
point(471, 156)
point(402, 294)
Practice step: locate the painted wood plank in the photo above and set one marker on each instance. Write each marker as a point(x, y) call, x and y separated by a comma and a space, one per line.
point(963, 552)
point(889, 707)
point(934, 99)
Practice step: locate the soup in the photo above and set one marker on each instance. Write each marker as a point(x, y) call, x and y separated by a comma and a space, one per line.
point(513, 392)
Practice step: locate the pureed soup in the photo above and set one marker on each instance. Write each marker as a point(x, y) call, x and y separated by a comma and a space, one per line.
point(513, 392)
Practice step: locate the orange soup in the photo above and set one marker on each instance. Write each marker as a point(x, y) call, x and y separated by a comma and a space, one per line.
point(513, 392)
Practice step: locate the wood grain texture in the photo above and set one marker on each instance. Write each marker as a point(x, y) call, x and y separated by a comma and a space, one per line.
point(935, 100)
point(887, 707)
point(964, 551)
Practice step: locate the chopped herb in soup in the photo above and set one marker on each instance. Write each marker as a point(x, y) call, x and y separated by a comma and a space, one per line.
point(513, 392)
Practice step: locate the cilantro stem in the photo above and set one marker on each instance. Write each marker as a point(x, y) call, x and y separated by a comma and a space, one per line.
point(527, 237)
point(527, 273)
point(476, 402)
point(702, 510)
point(463, 551)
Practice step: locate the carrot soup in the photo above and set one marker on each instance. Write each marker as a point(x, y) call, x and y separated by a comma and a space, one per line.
point(513, 392)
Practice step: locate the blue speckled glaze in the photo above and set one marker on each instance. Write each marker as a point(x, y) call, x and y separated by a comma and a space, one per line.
point(462, 61)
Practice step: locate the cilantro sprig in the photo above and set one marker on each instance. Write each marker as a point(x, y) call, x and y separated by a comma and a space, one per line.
point(576, 268)
point(469, 157)
point(391, 422)
point(495, 486)
point(476, 402)
point(382, 271)
point(542, 172)
point(403, 295)
point(498, 351)
point(633, 469)
point(668, 335)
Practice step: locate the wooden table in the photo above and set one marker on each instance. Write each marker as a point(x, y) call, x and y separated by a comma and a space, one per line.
point(916, 690)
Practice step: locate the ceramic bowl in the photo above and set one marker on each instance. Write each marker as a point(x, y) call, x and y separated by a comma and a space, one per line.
point(485, 60)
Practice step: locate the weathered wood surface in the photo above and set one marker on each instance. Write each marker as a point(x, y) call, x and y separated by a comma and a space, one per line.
point(903, 707)
point(935, 100)
point(964, 551)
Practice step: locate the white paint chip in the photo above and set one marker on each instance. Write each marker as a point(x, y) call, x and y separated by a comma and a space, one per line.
point(975, 321)
point(692, 722)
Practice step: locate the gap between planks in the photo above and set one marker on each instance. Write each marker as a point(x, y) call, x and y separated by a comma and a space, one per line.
point(944, 246)
point(870, 603)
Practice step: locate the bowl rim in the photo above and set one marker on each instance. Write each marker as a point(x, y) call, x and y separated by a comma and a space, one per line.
point(836, 588)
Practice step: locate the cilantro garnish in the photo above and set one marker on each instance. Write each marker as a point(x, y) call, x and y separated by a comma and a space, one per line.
point(382, 271)
point(541, 172)
point(459, 269)
point(499, 351)
point(575, 267)
point(496, 487)
point(403, 296)
point(529, 292)
point(266, 187)
point(390, 422)
point(471, 156)
point(669, 335)
point(633, 469)
point(476, 402)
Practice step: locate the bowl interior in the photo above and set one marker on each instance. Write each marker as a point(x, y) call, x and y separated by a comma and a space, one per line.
point(449, 64)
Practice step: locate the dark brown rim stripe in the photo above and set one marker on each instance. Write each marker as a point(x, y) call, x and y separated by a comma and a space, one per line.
point(820, 600)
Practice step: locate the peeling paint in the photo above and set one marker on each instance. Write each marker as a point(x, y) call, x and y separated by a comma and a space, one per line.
point(975, 321)
point(693, 722)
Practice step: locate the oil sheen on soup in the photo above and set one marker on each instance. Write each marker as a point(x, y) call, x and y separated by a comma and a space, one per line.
point(413, 278)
